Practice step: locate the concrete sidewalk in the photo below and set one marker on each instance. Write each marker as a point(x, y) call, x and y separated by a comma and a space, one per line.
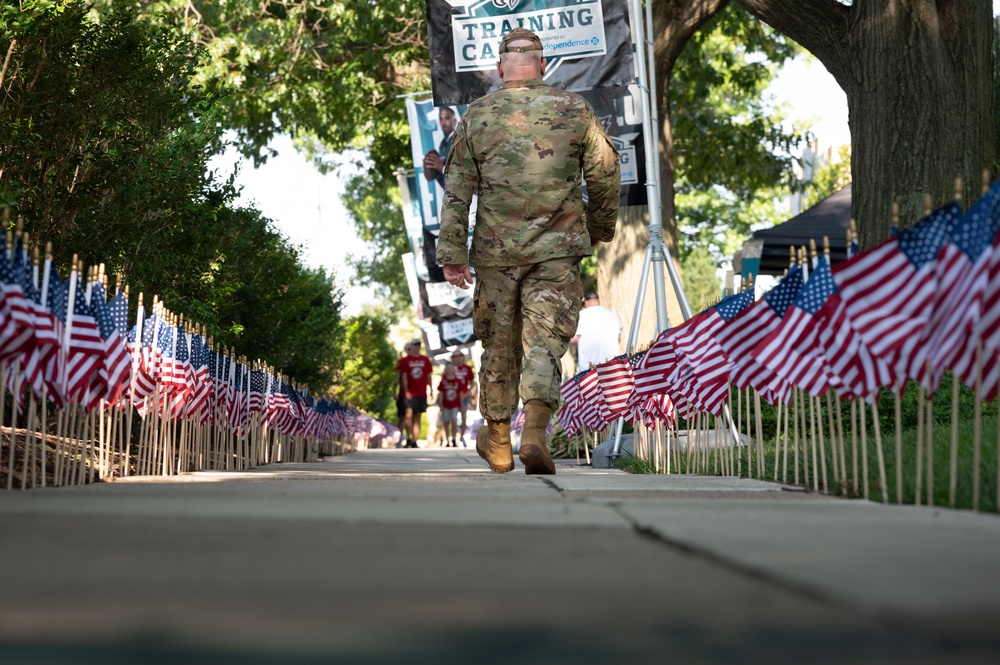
point(418, 556)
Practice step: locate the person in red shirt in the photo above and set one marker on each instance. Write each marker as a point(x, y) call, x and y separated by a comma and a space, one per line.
point(413, 372)
point(403, 404)
point(467, 376)
point(451, 392)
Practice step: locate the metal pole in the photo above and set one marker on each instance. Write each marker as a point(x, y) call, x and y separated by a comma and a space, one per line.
point(656, 252)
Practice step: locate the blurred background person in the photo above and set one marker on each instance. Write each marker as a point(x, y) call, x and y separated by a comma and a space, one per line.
point(402, 403)
point(450, 394)
point(598, 334)
point(467, 376)
point(417, 369)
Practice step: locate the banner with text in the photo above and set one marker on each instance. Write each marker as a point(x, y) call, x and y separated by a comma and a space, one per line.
point(587, 44)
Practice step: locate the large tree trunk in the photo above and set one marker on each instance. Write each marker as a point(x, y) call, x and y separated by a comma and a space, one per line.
point(918, 77)
point(619, 264)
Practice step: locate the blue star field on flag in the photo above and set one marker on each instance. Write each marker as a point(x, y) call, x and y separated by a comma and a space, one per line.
point(975, 230)
point(105, 325)
point(58, 295)
point(165, 341)
point(818, 289)
point(781, 297)
point(182, 347)
point(921, 242)
point(734, 304)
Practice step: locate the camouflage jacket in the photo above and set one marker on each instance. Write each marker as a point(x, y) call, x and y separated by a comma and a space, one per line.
point(523, 148)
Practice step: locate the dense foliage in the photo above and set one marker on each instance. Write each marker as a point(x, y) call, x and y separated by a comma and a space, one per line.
point(369, 364)
point(732, 153)
point(105, 152)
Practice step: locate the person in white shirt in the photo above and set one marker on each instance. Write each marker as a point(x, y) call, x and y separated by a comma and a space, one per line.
point(598, 333)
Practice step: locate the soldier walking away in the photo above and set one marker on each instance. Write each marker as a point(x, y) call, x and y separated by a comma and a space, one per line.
point(523, 148)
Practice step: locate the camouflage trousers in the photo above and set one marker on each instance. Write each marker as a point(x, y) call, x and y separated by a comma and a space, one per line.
point(525, 317)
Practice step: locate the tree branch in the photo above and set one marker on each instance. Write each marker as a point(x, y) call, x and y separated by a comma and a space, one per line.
point(674, 22)
point(819, 26)
point(6, 61)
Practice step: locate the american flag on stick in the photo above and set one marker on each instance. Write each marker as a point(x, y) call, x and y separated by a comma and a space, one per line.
point(963, 276)
point(888, 292)
point(744, 332)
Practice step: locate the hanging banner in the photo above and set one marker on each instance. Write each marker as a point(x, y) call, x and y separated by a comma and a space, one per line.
point(457, 332)
point(587, 44)
point(431, 132)
point(620, 112)
point(440, 301)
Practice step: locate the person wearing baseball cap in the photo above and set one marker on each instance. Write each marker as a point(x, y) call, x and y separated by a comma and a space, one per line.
point(413, 372)
point(524, 148)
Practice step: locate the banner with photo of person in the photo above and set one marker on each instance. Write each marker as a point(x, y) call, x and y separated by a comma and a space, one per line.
point(587, 44)
point(431, 133)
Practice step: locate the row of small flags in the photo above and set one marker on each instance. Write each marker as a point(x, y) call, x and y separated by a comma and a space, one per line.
point(925, 301)
point(64, 341)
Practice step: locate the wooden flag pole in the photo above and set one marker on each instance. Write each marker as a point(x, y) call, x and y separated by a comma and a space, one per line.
point(785, 440)
point(877, 423)
point(899, 446)
point(29, 443)
point(739, 421)
point(760, 435)
point(930, 449)
point(840, 445)
point(739, 440)
point(45, 439)
point(777, 441)
point(832, 431)
point(11, 459)
point(13, 431)
point(921, 415)
point(130, 407)
point(62, 430)
point(855, 486)
point(953, 461)
point(79, 433)
point(864, 450)
point(814, 436)
point(804, 415)
point(822, 444)
point(95, 438)
point(3, 405)
point(795, 446)
point(59, 447)
point(689, 446)
point(977, 420)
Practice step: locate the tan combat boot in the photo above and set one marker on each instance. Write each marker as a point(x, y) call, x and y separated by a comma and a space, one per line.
point(534, 452)
point(493, 445)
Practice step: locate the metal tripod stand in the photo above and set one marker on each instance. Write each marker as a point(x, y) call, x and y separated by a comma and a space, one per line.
point(656, 253)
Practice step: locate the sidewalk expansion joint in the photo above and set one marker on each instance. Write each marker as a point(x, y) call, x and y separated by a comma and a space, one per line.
point(889, 621)
point(552, 484)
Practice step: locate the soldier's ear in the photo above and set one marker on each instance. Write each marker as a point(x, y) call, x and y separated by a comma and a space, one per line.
point(499, 70)
point(543, 66)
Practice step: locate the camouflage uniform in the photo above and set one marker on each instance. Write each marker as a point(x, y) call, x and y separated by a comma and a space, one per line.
point(523, 148)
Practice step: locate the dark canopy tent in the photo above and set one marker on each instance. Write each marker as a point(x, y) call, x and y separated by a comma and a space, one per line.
point(831, 217)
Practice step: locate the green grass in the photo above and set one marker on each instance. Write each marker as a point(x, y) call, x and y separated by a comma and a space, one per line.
point(909, 402)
